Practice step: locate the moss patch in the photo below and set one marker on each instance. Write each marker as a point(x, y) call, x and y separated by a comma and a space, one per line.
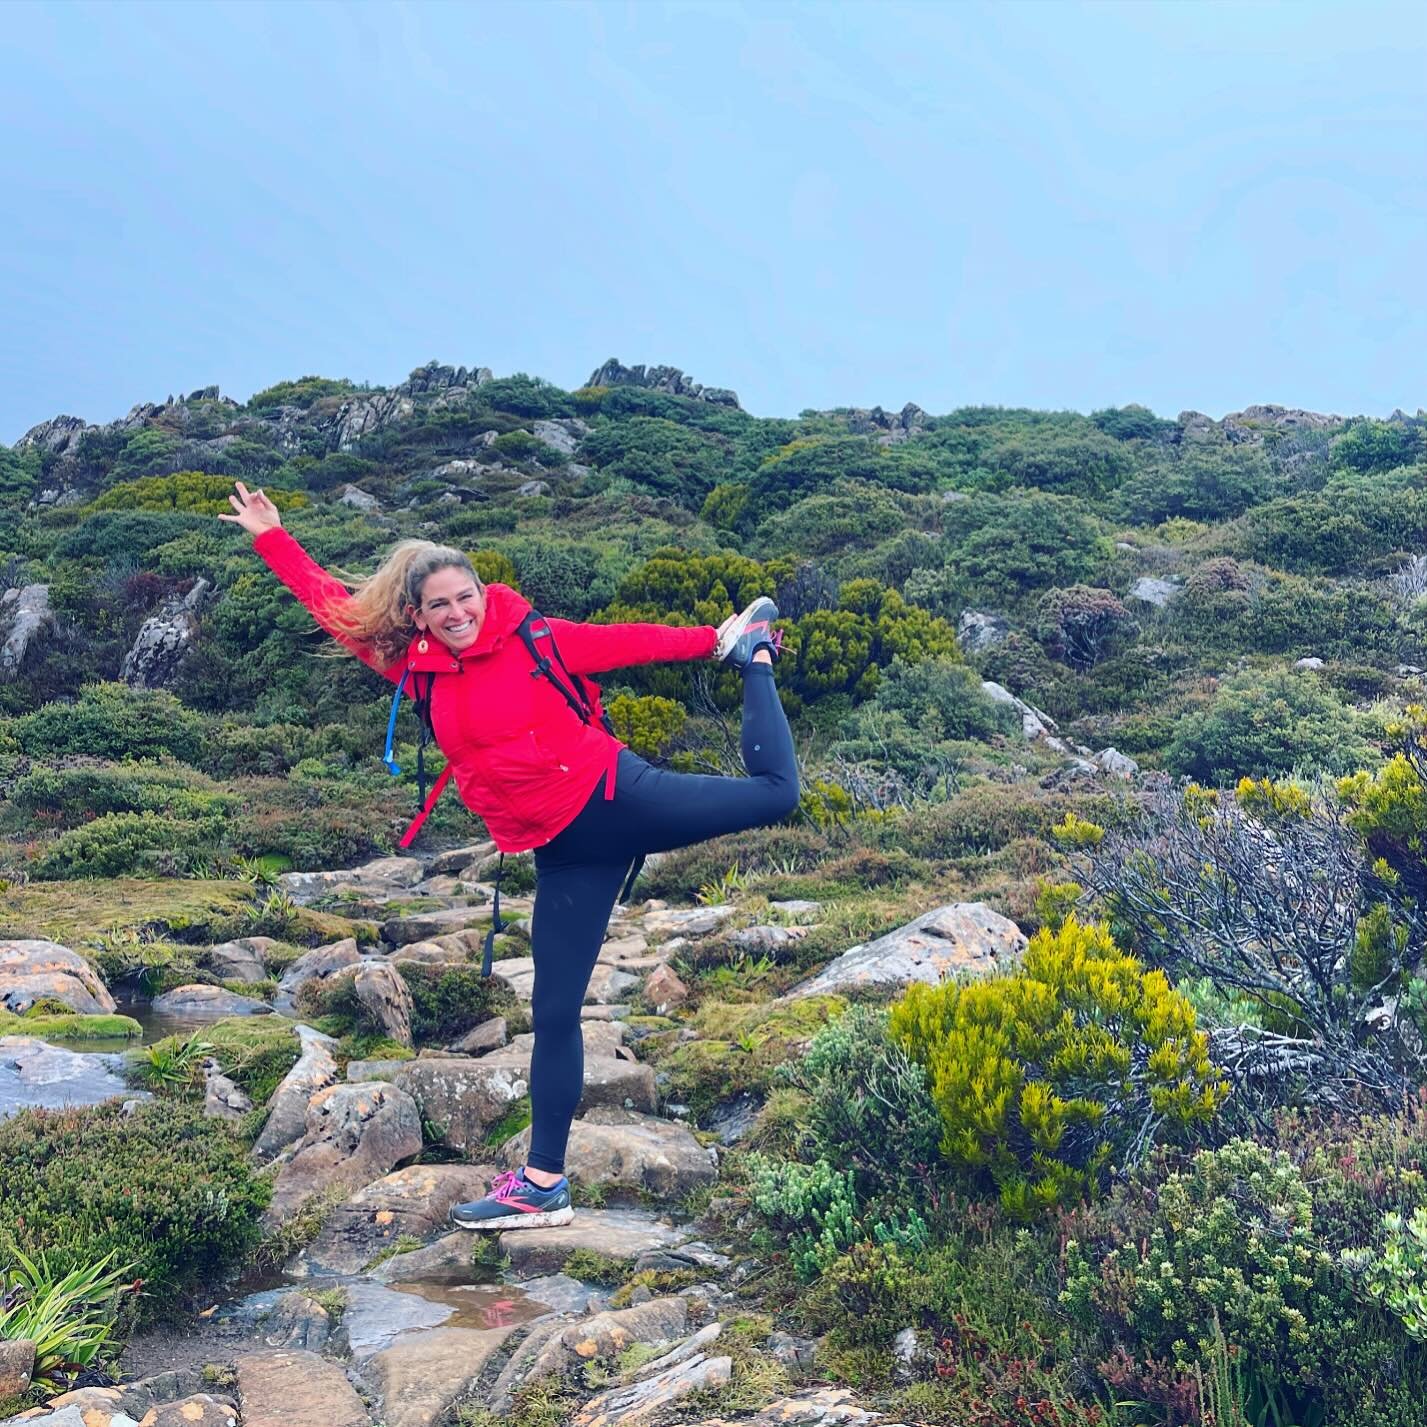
point(191, 911)
point(257, 1051)
point(71, 1027)
point(738, 1049)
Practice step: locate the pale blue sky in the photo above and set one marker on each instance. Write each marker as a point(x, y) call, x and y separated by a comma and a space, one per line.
point(1056, 205)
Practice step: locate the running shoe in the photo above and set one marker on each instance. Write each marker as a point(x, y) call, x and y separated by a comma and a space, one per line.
point(515, 1203)
point(741, 638)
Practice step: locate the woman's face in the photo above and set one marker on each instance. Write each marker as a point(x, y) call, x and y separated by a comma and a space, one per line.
point(452, 608)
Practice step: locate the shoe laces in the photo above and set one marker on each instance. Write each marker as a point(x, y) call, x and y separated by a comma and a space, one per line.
point(505, 1186)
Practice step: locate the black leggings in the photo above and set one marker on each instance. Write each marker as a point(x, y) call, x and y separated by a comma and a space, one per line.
point(579, 873)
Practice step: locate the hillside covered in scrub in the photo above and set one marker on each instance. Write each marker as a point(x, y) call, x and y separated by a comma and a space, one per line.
point(1061, 1062)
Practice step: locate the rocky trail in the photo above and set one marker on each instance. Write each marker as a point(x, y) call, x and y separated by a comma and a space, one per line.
point(387, 1317)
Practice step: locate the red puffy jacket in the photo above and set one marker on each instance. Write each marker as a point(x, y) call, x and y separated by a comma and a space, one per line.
point(522, 759)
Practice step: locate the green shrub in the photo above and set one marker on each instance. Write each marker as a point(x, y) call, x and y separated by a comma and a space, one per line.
point(1267, 724)
point(1231, 1237)
point(448, 1000)
point(116, 722)
point(160, 1187)
point(119, 844)
point(1050, 1077)
point(188, 491)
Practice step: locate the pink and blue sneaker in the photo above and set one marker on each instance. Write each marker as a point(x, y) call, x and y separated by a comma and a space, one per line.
point(514, 1202)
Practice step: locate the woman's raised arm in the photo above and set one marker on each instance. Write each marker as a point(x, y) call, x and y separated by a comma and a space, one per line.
point(319, 591)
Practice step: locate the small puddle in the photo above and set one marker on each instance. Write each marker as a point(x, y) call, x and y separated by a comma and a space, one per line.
point(156, 1025)
point(479, 1305)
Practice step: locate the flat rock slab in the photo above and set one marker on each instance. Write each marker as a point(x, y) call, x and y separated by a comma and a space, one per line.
point(624, 1149)
point(608, 984)
point(209, 1003)
point(963, 938)
point(687, 922)
point(412, 1202)
point(35, 1074)
point(418, 1378)
point(289, 1388)
point(623, 1234)
point(201, 1410)
point(377, 1316)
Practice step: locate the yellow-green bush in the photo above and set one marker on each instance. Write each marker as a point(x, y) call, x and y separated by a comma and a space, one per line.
point(1048, 1078)
point(647, 724)
point(195, 491)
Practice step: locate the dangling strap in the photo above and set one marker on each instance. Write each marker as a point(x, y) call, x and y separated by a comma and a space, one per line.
point(392, 766)
point(497, 926)
point(409, 836)
point(635, 868)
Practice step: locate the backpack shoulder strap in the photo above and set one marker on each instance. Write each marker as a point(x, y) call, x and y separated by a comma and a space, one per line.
point(535, 630)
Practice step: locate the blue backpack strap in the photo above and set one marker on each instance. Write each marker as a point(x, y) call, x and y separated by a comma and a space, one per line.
point(392, 766)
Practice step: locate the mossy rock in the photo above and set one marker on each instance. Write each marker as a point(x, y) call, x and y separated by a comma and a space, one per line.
point(739, 1048)
point(257, 1051)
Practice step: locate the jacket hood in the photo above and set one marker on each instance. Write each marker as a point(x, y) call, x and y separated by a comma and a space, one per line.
point(505, 608)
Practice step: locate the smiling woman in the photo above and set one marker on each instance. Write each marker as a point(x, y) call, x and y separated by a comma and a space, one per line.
point(535, 760)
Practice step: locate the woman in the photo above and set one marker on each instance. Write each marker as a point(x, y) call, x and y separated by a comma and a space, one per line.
point(543, 776)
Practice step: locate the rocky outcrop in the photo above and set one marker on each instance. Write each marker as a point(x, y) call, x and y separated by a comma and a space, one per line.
point(889, 428)
point(24, 614)
point(353, 1134)
point(1036, 727)
point(653, 1393)
point(358, 499)
point(561, 436)
point(163, 639)
point(1151, 590)
point(55, 437)
point(977, 631)
point(315, 1070)
point(460, 1097)
point(317, 965)
point(240, 960)
point(665, 379)
point(33, 970)
point(962, 938)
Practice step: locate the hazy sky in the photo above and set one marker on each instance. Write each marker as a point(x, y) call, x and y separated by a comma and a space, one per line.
point(1057, 205)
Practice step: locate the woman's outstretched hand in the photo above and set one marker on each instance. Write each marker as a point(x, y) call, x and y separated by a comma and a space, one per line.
point(255, 512)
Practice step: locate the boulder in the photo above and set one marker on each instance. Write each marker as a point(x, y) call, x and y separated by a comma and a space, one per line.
point(1153, 591)
point(529, 488)
point(208, 1003)
point(977, 631)
point(489, 1035)
point(17, 1361)
point(462, 1097)
point(688, 921)
point(608, 1081)
point(664, 992)
point(240, 960)
point(649, 1398)
point(561, 436)
point(1112, 761)
point(163, 639)
point(961, 938)
point(458, 859)
point(315, 965)
point(315, 1070)
point(1312, 662)
point(399, 871)
point(622, 1149)
point(290, 1388)
point(1035, 725)
point(359, 499)
point(608, 984)
point(354, 1134)
point(32, 970)
point(223, 1097)
point(384, 995)
point(409, 1203)
point(24, 614)
point(768, 940)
